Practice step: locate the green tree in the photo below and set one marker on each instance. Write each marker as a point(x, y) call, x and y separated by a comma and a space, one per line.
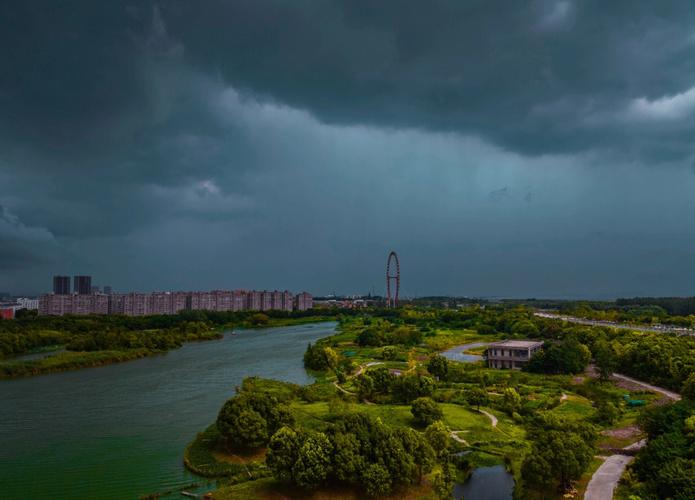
point(331, 357)
point(605, 358)
point(511, 400)
point(348, 461)
point(283, 452)
point(250, 429)
point(607, 413)
point(383, 379)
point(443, 481)
point(313, 463)
point(408, 387)
point(259, 319)
point(477, 396)
point(437, 435)
point(377, 480)
point(249, 419)
point(438, 366)
point(389, 352)
point(425, 411)
point(688, 390)
point(557, 457)
point(365, 386)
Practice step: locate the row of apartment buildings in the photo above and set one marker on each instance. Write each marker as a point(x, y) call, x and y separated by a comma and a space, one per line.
point(141, 304)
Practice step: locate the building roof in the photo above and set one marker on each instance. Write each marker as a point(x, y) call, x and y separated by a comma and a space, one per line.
point(517, 343)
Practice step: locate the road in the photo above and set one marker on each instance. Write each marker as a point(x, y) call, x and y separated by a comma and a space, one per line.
point(669, 394)
point(591, 322)
point(606, 477)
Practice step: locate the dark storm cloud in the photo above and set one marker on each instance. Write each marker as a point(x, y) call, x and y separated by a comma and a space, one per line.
point(543, 76)
point(274, 143)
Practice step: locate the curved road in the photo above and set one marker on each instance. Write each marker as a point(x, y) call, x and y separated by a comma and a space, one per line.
point(606, 477)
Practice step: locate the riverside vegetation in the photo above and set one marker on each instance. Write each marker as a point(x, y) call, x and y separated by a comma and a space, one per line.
point(389, 415)
point(87, 341)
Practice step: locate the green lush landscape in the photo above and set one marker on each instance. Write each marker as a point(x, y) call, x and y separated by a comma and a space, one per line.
point(389, 415)
point(73, 342)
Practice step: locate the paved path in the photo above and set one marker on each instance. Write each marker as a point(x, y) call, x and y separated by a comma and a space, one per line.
point(668, 394)
point(455, 437)
point(493, 419)
point(605, 479)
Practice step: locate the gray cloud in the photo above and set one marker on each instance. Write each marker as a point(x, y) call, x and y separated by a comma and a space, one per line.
point(268, 144)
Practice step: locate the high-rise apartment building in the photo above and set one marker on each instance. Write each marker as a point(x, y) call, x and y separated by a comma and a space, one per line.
point(82, 285)
point(140, 304)
point(61, 285)
point(303, 301)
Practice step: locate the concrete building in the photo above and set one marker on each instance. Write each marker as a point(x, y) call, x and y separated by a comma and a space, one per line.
point(303, 301)
point(253, 300)
point(276, 300)
point(82, 285)
point(239, 300)
point(287, 301)
point(512, 354)
point(140, 304)
point(61, 285)
point(266, 300)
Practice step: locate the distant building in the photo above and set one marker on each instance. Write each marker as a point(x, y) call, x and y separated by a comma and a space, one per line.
point(95, 289)
point(253, 300)
point(61, 285)
point(82, 285)
point(25, 303)
point(266, 301)
point(512, 354)
point(140, 304)
point(108, 290)
point(7, 313)
point(303, 301)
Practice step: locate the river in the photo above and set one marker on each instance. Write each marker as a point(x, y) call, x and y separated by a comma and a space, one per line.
point(119, 431)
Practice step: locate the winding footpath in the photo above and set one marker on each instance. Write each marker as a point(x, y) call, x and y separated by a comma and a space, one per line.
point(606, 477)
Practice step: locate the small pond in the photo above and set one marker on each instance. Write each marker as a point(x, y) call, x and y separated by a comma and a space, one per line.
point(486, 483)
point(457, 353)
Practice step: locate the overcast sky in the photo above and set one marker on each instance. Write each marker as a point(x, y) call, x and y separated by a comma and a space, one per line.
point(519, 149)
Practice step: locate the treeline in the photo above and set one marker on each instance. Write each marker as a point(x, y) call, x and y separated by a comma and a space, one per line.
point(665, 468)
point(115, 332)
point(676, 306)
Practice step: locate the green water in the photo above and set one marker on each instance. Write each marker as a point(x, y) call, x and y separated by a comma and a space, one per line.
point(119, 431)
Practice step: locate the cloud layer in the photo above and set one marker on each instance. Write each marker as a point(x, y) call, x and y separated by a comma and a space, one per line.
point(538, 150)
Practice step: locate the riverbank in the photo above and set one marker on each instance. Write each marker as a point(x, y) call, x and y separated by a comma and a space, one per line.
point(121, 346)
point(75, 360)
point(119, 431)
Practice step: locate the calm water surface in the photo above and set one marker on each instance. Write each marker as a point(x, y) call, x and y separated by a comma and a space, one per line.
point(119, 431)
point(457, 353)
point(486, 483)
